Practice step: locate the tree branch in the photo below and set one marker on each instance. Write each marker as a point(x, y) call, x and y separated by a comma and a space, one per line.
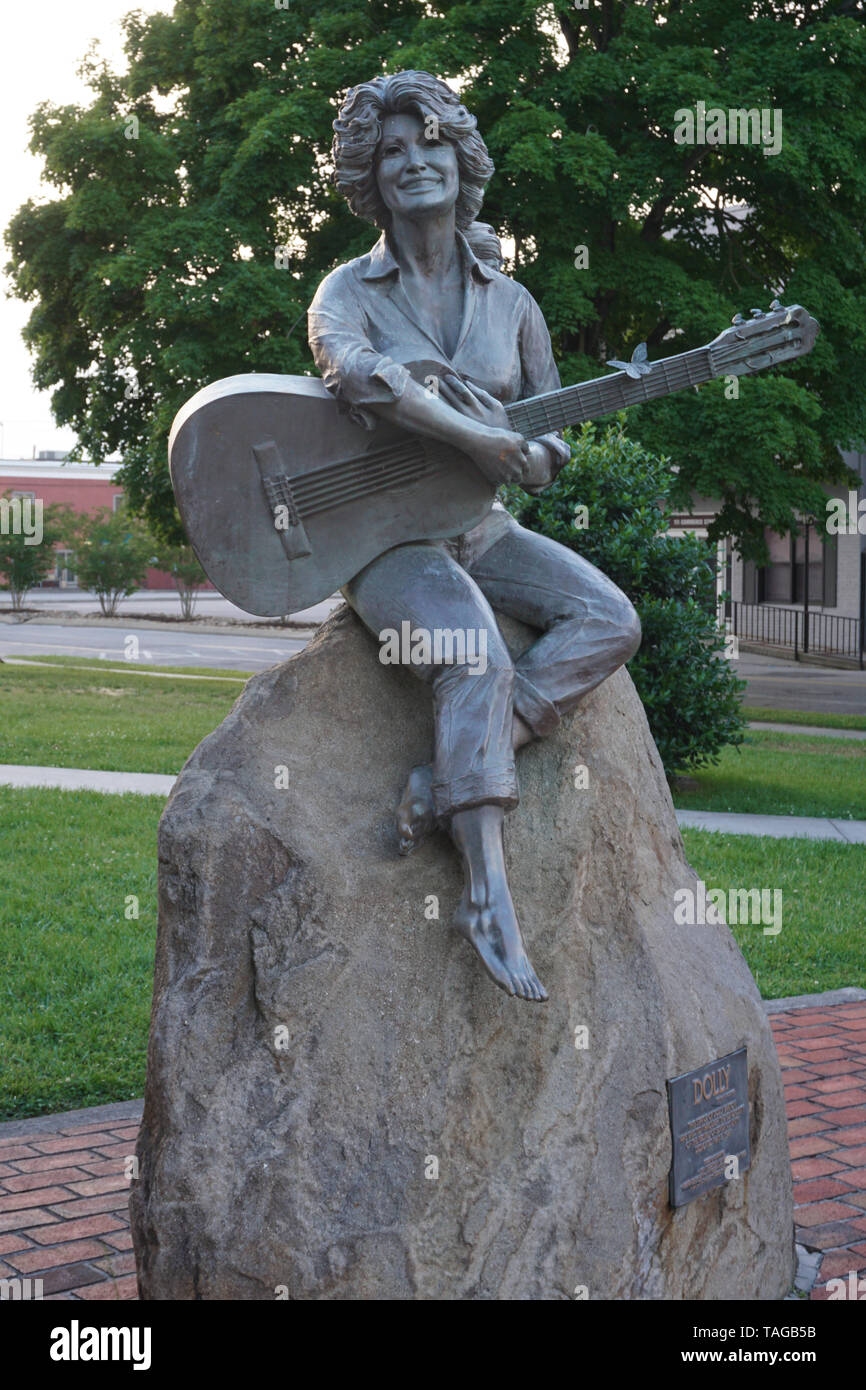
point(654, 222)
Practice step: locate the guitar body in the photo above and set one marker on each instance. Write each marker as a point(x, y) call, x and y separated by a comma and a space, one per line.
point(284, 498)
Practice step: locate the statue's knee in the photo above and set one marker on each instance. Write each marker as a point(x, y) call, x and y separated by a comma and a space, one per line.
point(629, 631)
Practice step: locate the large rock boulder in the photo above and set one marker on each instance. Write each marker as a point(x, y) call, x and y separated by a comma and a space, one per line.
point(321, 1045)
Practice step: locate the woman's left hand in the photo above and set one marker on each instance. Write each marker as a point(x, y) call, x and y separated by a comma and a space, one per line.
point(474, 402)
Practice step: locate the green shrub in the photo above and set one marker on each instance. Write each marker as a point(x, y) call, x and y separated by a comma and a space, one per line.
point(688, 687)
point(112, 553)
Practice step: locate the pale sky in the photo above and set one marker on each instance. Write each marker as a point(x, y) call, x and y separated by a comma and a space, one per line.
point(43, 44)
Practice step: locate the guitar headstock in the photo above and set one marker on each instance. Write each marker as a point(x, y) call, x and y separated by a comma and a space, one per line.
point(764, 340)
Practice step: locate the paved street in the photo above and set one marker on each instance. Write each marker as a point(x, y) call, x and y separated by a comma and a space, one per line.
point(208, 604)
point(772, 682)
point(777, 684)
point(157, 646)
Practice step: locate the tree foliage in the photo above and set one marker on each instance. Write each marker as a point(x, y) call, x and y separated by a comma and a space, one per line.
point(153, 269)
point(689, 689)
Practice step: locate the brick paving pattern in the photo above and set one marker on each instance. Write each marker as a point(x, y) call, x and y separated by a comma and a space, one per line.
point(63, 1194)
point(823, 1057)
point(63, 1210)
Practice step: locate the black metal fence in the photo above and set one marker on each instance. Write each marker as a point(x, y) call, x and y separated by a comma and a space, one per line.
point(823, 634)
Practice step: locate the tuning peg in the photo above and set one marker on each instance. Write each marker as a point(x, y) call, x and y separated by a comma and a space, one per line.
point(738, 318)
point(757, 313)
point(775, 304)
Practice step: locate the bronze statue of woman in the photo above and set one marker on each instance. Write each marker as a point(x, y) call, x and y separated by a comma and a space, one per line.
point(409, 159)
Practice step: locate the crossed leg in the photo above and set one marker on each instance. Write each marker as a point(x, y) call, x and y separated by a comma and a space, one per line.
point(472, 779)
point(589, 628)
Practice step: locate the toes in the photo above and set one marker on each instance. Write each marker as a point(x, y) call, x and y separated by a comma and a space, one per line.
point(534, 988)
point(521, 987)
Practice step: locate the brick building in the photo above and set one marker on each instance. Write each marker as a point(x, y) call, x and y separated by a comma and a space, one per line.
point(82, 487)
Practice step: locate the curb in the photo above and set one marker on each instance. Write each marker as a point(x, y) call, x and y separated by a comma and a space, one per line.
point(111, 1115)
point(849, 995)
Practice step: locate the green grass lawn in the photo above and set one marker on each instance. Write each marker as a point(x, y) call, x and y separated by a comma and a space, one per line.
point(801, 716)
point(107, 719)
point(134, 668)
point(784, 775)
point(75, 974)
point(823, 884)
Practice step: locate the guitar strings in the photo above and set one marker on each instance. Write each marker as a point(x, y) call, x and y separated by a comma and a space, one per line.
point(349, 479)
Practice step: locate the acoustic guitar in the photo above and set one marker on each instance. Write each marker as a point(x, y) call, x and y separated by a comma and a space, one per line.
point(285, 498)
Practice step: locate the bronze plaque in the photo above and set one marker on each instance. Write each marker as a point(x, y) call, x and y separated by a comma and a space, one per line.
point(709, 1110)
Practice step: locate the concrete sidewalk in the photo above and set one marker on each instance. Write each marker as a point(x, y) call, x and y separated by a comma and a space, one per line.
point(84, 779)
point(849, 832)
point(810, 730)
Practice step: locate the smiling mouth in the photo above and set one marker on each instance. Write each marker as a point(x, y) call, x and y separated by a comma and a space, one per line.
point(419, 184)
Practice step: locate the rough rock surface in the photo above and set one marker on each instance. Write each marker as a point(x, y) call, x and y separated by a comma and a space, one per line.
point(317, 1040)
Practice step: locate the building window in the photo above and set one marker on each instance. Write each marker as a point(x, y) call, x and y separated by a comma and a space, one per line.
point(783, 580)
point(117, 501)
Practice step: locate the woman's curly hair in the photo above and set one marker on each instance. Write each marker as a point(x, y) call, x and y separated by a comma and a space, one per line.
point(358, 129)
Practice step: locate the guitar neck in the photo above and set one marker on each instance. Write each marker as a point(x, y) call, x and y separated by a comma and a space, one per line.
point(604, 395)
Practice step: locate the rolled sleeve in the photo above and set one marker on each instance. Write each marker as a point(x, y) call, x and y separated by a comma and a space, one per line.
point(353, 371)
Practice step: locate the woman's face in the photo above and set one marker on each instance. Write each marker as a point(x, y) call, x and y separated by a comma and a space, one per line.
point(417, 176)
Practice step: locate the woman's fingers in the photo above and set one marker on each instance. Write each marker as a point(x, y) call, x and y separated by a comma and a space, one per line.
point(468, 390)
point(463, 401)
point(451, 397)
point(481, 395)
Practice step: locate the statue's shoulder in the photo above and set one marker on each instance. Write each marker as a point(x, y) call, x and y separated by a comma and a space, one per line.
point(339, 282)
point(349, 278)
point(510, 289)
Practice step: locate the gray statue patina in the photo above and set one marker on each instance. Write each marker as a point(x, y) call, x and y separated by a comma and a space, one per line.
point(409, 159)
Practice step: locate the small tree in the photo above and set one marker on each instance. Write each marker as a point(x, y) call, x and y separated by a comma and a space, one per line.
point(112, 553)
point(610, 504)
point(181, 562)
point(27, 549)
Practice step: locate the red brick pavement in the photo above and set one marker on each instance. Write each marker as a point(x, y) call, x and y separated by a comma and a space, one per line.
point(63, 1194)
point(823, 1057)
point(63, 1216)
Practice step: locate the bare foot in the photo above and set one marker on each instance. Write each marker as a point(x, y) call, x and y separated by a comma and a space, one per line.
point(415, 815)
point(485, 915)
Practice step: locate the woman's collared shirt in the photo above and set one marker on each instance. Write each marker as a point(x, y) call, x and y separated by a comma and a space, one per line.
point(362, 329)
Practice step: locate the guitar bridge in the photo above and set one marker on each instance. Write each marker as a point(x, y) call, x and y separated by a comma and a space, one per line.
point(281, 501)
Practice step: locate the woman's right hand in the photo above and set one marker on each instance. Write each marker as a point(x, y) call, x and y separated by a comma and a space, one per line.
point(502, 455)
